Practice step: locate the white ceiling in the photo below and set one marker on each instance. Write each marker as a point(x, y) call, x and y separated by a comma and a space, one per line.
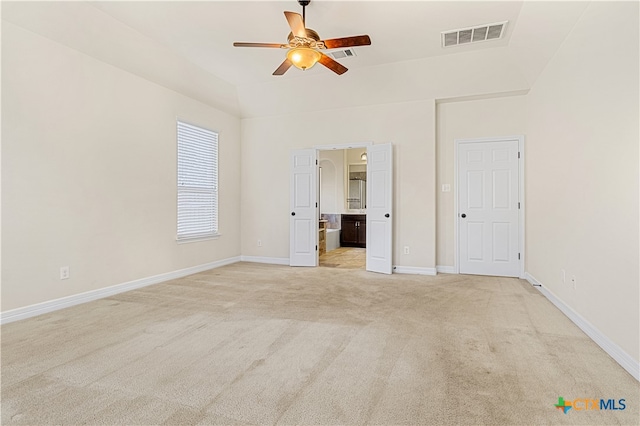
point(204, 32)
point(187, 46)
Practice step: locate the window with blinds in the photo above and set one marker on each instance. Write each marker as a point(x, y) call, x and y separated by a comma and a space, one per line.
point(197, 182)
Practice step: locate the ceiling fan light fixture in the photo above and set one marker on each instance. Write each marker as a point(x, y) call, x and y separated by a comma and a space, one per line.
point(303, 57)
point(306, 46)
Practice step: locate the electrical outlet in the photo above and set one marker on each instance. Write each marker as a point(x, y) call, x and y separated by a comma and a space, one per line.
point(64, 272)
point(564, 276)
point(259, 243)
point(406, 249)
point(446, 187)
point(573, 281)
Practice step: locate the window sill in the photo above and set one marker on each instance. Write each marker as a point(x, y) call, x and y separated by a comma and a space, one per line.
point(197, 239)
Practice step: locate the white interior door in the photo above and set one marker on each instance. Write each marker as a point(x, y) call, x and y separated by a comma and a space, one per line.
point(488, 203)
point(303, 219)
point(379, 203)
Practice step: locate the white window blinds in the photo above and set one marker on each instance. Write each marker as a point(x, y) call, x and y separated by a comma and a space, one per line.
point(197, 182)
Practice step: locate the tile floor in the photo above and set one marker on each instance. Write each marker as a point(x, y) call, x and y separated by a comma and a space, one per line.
point(345, 258)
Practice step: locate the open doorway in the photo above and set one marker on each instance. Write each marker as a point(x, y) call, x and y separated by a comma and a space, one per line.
point(305, 214)
point(342, 208)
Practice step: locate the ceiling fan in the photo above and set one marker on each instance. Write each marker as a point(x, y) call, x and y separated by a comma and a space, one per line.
point(305, 45)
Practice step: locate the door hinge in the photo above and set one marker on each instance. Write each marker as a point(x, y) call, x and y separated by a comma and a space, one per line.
point(518, 154)
point(518, 256)
point(518, 205)
point(317, 250)
point(317, 160)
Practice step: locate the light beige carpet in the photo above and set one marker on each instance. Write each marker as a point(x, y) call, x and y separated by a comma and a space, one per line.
point(264, 344)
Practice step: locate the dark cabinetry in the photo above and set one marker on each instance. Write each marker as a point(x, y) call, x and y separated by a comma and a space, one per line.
point(354, 230)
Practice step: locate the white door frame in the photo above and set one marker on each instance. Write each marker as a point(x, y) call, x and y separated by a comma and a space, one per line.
point(365, 145)
point(342, 146)
point(521, 197)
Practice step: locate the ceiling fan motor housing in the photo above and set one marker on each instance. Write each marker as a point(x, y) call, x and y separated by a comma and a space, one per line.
point(311, 34)
point(304, 3)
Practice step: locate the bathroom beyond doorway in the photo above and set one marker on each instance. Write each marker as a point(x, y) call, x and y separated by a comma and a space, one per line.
point(339, 200)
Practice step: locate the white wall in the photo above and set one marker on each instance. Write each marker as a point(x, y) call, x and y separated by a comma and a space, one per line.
point(266, 146)
point(467, 119)
point(89, 173)
point(83, 26)
point(582, 172)
point(472, 73)
point(332, 186)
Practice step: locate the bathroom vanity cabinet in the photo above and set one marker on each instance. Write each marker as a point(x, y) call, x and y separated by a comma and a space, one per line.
point(354, 230)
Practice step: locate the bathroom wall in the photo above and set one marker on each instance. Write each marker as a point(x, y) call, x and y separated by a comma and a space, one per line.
point(332, 196)
point(353, 156)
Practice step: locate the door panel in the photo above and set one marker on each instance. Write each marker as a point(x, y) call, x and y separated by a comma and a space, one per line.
point(475, 242)
point(303, 220)
point(379, 183)
point(475, 195)
point(303, 232)
point(501, 238)
point(501, 190)
point(379, 208)
point(302, 193)
point(376, 247)
point(488, 196)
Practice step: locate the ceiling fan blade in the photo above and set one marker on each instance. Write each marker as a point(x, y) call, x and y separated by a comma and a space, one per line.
point(334, 43)
point(283, 67)
point(296, 23)
point(332, 65)
point(278, 45)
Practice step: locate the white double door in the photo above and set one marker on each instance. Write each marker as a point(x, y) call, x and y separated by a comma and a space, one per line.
point(488, 207)
point(304, 215)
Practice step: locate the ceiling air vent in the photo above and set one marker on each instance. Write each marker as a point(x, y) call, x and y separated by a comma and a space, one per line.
point(341, 54)
point(474, 34)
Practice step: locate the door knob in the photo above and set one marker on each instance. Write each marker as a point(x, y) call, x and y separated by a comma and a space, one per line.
point(386, 215)
point(293, 213)
point(463, 215)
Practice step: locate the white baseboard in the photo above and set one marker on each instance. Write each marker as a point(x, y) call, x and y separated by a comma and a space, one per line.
point(446, 269)
point(270, 260)
point(76, 299)
point(532, 280)
point(616, 352)
point(413, 270)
